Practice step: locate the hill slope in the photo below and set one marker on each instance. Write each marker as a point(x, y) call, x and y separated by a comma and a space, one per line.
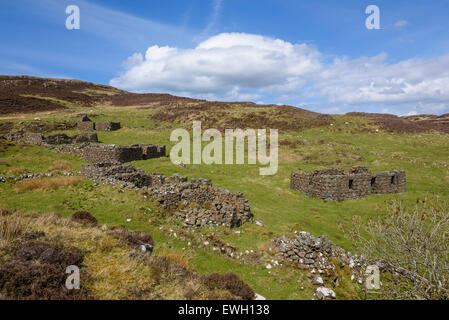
point(308, 141)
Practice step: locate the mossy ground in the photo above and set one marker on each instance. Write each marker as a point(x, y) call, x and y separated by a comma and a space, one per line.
point(349, 141)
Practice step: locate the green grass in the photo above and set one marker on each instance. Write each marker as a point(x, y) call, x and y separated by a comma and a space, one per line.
point(423, 156)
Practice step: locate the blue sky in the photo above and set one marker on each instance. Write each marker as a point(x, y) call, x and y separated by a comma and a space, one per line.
point(315, 54)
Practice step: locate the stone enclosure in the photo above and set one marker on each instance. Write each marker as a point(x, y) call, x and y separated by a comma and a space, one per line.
point(88, 125)
point(335, 184)
point(97, 153)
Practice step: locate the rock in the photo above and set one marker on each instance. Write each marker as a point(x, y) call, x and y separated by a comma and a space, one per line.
point(324, 293)
point(146, 248)
point(318, 281)
point(259, 297)
point(259, 223)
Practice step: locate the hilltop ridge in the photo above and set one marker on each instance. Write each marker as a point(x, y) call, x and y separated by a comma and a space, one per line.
point(27, 94)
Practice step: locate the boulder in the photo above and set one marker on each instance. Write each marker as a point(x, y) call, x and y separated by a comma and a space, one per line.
point(323, 293)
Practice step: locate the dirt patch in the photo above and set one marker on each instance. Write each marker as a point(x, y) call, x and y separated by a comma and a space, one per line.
point(84, 217)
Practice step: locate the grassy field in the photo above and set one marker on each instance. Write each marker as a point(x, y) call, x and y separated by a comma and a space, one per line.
point(347, 142)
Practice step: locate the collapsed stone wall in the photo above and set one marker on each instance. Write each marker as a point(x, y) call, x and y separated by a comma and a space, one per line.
point(196, 201)
point(335, 184)
point(317, 254)
point(88, 125)
point(55, 139)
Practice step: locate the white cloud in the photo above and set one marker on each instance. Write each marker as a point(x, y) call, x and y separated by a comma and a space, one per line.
point(401, 24)
point(223, 65)
point(239, 66)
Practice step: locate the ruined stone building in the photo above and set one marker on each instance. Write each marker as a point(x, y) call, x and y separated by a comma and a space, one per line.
point(335, 184)
point(88, 125)
point(196, 202)
point(98, 153)
point(89, 148)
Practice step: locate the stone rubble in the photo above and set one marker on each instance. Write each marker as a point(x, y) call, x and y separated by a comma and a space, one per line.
point(27, 176)
point(196, 202)
point(323, 293)
point(317, 254)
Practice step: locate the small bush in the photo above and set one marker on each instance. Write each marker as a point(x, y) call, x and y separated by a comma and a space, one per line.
point(133, 238)
point(413, 244)
point(47, 183)
point(84, 217)
point(37, 271)
point(61, 165)
point(231, 282)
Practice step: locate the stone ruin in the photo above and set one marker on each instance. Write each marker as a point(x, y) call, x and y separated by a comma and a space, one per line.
point(317, 254)
point(89, 148)
point(335, 184)
point(196, 201)
point(51, 140)
point(88, 125)
point(98, 153)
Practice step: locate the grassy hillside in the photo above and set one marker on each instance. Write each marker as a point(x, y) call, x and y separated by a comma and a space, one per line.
point(308, 143)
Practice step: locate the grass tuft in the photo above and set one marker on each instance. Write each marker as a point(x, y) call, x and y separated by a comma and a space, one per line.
point(12, 226)
point(47, 183)
point(61, 165)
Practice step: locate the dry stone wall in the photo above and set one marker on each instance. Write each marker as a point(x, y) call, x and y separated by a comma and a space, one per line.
point(335, 184)
point(51, 140)
point(196, 201)
point(97, 153)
